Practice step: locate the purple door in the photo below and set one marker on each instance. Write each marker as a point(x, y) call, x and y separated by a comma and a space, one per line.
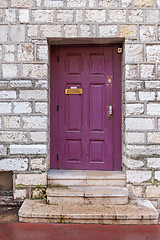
point(85, 108)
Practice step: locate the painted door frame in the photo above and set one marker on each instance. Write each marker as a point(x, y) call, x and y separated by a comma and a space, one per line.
point(117, 99)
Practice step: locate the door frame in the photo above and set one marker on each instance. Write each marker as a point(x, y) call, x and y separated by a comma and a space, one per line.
point(117, 99)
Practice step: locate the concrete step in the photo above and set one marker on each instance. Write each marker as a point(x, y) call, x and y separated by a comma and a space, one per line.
point(85, 178)
point(96, 195)
point(37, 211)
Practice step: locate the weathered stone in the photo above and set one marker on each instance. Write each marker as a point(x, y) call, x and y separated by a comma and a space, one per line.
point(8, 94)
point(95, 15)
point(117, 16)
point(107, 31)
point(55, 3)
point(152, 16)
point(10, 15)
point(147, 33)
point(22, 3)
point(133, 164)
point(131, 71)
point(134, 53)
point(28, 149)
point(4, 30)
point(10, 70)
point(22, 107)
point(79, 16)
point(130, 96)
point(38, 136)
point(20, 194)
point(135, 15)
point(134, 109)
point(153, 53)
point(33, 94)
point(134, 137)
point(35, 70)
point(24, 15)
point(146, 96)
point(153, 137)
point(25, 52)
point(9, 53)
point(153, 191)
point(128, 31)
point(85, 30)
point(33, 30)
point(14, 164)
point(12, 122)
point(138, 176)
point(135, 191)
point(34, 122)
point(42, 53)
point(17, 33)
point(31, 179)
point(13, 136)
point(153, 108)
point(41, 107)
point(143, 3)
point(139, 123)
point(76, 3)
point(108, 3)
point(153, 162)
point(42, 16)
point(65, 16)
point(39, 193)
point(157, 175)
point(38, 164)
point(5, 107)
point(70, 31)
point(51, 31)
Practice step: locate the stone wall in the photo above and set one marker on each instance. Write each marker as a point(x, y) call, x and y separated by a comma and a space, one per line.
point(26, 26)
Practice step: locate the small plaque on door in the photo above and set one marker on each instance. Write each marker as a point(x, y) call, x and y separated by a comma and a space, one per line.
point(75, 91)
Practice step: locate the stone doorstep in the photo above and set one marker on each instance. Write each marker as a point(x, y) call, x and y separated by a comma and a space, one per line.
point(133, 213)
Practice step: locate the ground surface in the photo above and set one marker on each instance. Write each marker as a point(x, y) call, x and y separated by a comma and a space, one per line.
point(8, 214)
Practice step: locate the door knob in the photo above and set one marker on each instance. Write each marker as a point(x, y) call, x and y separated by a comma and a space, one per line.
point(110, 110)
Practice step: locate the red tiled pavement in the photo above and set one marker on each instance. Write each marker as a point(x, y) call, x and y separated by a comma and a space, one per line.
point(28, 231)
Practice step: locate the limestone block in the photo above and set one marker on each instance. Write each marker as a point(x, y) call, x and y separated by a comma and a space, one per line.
point(134, 109)
point(135, 191)
point(147, 33)
point(9, 53)
point(84, 31)
point(42, 53)
point(22, 3)
point(147, 71)
point(3, 150)
point(153, 53)
point(128, 31)
point(39, 193)
point(3, 4)
point(153, 162)
point(146, 96)
point(12, 122)
point(65, 16)
point(126, 3)
point(133, 164)
point(130, 96)
point(153, 137)
point(0, 53)
point(141, 124)
point(14, 164)
point(108, 3)
point(41, 107)
point(95, 15)
point(51, 31)
point(38, 164)
point(7, 94)
point(20, 193)
point(31, 179)
point(4, 32)
point(79, 16)
point(158, 3)
point(76, 3)
point(17, 33)
point(138, 176)
point(131, 71)
point(10, 15)
point(22, 107)
point(107, 31)
point(152, 16)
point(153, 191)
point(38, 3)
point(134, 53)
point(145, 150)
point(25, 52)
point(34, 122)
point(133, 85)
point(92, 3)
point(35, 70)
point(5, 107)
point(28, 149)
point(135, 15)
point(38, 136)
point(51, 3)
point(13, 136)
point(20, 84)
point(134, 137)
point(158, 70)
point(24, 16)
point(143, 3)
point(157, 175)
point(33, 94)
point(70, 31)
point(32, 30)
point(153, 108)
point(10, 70)
point(42, 16)
point(117, 16)
point(152, 85)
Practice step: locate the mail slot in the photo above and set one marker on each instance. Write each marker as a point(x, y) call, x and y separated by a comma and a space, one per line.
point(74, 91)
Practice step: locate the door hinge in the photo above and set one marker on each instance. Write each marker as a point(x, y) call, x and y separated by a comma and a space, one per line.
point(57, 58)
point(120, 50)
point(57, 108)
point(57, 156)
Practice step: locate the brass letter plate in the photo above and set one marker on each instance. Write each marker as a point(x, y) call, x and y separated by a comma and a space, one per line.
point(74, 91)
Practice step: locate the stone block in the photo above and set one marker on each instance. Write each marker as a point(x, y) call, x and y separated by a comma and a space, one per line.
point(92, 3)
point(126, 3)
point(152, 16)
point(140, 124)
point(79, 16)
point(28, 149)
point(146, 96)
point(42, 16)
point(20, 84)
point(84, 31)
point(128, 31)
point(142, 150)
point(152, 85)
point(135, 191)
point(153, 137)
point(42, 53)
point(14, 164)
point(38, 3)
point(51, 31)
point(22, 107)
point(133, 53)
point(108, 3)
point(158, 3)
point(38, 164)
point(55, 3)
point(153, 162)
point(95, 16)
point(147, 33)
point(39, 193)
point(130, 96)
point(22, 3)
point(35, 71)
point(14, 136)
point(25, 52)
point(147, 71)
point(9, 53)
point(153, 53)
point(20, 194)
point(34, 122)
point(157, 175)
point(5, 107)
point(138, 176)
point(131, 71)
point(135, 15)
point(31, 179)
point(117, 15)
point(70, 31)
point(8, 94)
point(3, 4)
point(10, 15)
point(65, 16)
point(158, 71)
point(3, 150)
point(12, 122)
point(134, 109)
point(4, 33)
point(41, 107)
point(76, 3)
point(108, 31)
point(10, 70)
point(33, 94)
point(143, 3)
point(17, 33)
point(38, 137)
point(153, 191)
point(24, 16)
point(134, 137)
point(133, 164)
point(153, 109)
point(133, 85)
point(32, 30)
